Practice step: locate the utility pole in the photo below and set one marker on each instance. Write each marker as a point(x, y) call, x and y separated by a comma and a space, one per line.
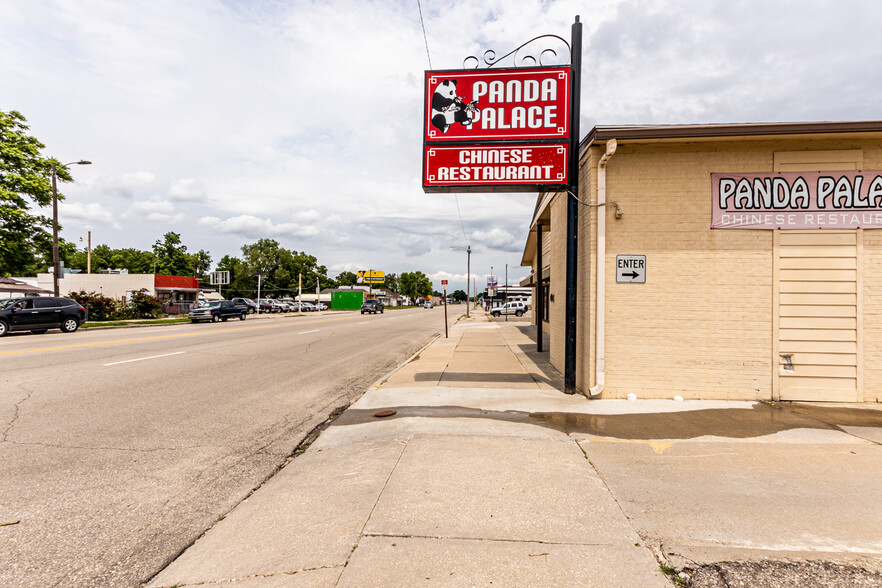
point(56, 264)
point(258, 292)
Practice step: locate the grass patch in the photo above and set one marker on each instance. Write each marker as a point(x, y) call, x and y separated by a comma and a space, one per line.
point(673, 574)
point(134, 322)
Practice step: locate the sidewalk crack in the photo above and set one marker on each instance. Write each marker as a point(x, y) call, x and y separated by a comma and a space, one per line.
point(361, 532)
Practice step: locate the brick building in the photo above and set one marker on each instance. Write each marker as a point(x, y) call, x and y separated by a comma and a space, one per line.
point(739, 311)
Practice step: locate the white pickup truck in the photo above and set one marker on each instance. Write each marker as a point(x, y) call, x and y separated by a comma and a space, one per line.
point(515, 308)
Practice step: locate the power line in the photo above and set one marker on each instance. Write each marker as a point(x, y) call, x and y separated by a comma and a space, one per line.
point(423, 24)
point(429, 57)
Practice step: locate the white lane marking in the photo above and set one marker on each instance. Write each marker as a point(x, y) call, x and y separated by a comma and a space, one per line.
point(364, 323)
point(143, 358)
point(305, 332)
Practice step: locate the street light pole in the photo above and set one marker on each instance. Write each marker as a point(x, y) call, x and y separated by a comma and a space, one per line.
point(55, 260)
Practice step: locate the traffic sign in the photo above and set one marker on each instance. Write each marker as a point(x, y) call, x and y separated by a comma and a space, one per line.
point(444, 285)
point(630, 269)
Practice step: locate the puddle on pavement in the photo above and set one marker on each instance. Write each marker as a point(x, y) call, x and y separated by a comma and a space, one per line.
point(738, 423)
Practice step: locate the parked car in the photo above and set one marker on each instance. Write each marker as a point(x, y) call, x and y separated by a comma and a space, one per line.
point(39, 314)
point(280, 305)
point(321, 306)
point(372, 306)
point(270, 305)
point(515, 308)
point(247, 302)
point(307, 307)
point(218, 311)
point(428, 304)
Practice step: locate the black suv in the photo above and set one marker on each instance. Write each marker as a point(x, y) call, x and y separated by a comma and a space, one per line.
point(247, 302)
point(372, 306)
point(39, 314)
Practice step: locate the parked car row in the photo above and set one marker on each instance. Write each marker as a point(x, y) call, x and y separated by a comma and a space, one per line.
point(273, 305)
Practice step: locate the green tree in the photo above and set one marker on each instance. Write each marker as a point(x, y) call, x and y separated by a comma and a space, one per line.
point(242, 283)
point(415, 284)
point(347, 279)
point(171, 256)
point(391, 282)
point(201, 262)
point(24, 181)
point(459, 296)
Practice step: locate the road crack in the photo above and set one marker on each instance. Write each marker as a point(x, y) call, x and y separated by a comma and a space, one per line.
point(16, 413)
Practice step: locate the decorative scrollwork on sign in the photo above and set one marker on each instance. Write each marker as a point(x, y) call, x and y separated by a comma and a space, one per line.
point(517, 60)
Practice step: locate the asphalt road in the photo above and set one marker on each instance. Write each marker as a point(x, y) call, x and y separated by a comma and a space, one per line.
point(118, 448)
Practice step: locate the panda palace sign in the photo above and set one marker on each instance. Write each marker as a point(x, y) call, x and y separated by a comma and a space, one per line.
point(798, 200)
point(496, 130)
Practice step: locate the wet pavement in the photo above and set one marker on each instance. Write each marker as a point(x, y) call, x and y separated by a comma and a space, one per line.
point(737, 423)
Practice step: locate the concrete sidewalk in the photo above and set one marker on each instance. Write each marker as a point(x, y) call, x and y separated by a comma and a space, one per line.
point(486, 474)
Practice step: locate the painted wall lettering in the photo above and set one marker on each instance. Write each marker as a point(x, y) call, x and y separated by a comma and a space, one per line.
point(797, 200)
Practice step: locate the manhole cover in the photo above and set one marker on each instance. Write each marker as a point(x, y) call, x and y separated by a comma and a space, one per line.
point(385, 413)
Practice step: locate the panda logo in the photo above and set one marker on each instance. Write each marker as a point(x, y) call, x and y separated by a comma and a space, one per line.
point(448, 108)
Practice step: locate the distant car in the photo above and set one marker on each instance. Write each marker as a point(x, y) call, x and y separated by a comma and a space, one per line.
point(247, 302)
point(39, 314)
point(372, 306)
point(428, 304)
point(515, 308)
point(218, 311)
point(270, 305)
point(321, 306)
point(307, 307)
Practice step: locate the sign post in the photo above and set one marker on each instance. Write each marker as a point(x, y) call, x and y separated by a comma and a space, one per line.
point(219, 279)
point(572, 215)
point(444, 289)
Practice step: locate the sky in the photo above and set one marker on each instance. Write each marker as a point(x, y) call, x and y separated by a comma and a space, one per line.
point(228, 121)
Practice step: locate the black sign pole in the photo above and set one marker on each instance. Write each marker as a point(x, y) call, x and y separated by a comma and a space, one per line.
point(572, 213)
point(445, 313)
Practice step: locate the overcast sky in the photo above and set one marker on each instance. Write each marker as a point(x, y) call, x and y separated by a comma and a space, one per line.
point(231, 120)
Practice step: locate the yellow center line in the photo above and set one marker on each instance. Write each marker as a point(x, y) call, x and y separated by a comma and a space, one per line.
point(178, 335)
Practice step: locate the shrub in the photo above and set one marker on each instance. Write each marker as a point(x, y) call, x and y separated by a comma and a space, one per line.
point(144, 305)
point(101, 308)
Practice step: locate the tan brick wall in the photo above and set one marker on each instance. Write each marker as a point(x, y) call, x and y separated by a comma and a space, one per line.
point(701, 326)
point(870, 319)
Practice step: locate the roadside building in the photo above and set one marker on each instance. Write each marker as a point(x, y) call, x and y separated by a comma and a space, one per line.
point(177, 291)
point(738, 261)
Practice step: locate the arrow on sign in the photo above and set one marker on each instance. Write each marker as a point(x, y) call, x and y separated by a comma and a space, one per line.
point(631, 275)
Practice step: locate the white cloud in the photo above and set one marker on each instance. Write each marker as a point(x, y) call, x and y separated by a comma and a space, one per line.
point(187, 190)
point(87, 215)
point(121, 186)
point(252, 227)
point(154, 211)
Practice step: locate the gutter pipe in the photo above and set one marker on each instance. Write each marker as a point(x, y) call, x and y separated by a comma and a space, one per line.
point(600, 295)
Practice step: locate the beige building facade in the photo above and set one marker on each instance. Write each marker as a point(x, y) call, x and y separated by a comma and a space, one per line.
point(723, 313)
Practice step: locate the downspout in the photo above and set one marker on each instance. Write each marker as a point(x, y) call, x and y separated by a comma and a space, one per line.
point(600, 266)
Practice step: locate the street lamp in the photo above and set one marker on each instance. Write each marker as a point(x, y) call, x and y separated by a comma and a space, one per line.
point(468, 274)
point(55, 262)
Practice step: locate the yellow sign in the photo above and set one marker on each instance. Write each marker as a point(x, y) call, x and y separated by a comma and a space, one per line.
point(370, 277)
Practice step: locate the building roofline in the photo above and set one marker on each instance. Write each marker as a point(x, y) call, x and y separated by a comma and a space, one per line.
point(657, 132)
